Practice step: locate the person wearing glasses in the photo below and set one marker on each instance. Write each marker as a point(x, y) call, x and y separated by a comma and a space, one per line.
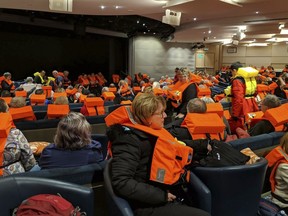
point(132, 146)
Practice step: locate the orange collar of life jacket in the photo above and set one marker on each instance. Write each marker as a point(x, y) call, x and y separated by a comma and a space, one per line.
point(161, 171)
point(276, 157)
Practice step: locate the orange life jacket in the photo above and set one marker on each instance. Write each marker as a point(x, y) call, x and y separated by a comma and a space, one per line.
point(82, 98)
point(37, 99)
point(203, 91)
point(108, 96)
point(195, 78)
point(218, 97)
point(7, 99)
point(101, 79)
point(158, 92)
point(252, 118)
point(47, 91)
point(23, 113)
point(169, 156)
point(262, 90)
point(277, 116)
point(115, 78)
point(276, 157)
point(136, 89)
point(113, 89)
point(176, 94)
point(126, 102)
point(57, 111)
point(22, 93)
point(71, 92)
point(204, 125)
point(125, 90)
point(58, 94)
point(85, 81)
point(272, 87)
point(93, 80)
point(215, 108)
point(9, 82)
point(94, 105)
point(5, 127)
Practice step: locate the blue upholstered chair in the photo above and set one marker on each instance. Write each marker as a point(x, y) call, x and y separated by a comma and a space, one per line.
point(117, 206)
point(16, 189)
point(234, 190)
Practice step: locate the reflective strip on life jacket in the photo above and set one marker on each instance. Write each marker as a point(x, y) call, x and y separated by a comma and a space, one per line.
point(169, 156)
point(57, 111)
point(37, 99)
point(203, 125)
point(5, 127)
point(25, 113)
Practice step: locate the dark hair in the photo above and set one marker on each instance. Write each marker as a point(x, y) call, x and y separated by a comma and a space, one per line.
point(5, 93)
point(3, 105)
point(236, 65)
point(39, 91)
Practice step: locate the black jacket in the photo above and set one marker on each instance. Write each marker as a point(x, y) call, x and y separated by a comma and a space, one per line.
point(189, 93)
point(132, 154)
point(181, 133)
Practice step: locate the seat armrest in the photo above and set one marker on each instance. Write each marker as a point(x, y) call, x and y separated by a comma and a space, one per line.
point(201, 193)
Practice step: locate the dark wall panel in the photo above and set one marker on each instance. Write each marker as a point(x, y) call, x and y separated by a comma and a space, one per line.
point(22, 54)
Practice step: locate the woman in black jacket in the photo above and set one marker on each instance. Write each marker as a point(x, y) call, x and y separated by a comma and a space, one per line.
point(132, 151)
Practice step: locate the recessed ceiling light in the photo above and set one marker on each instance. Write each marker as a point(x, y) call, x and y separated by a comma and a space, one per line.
point(116, 7)
point(204, 32)
point(209, 32)
point(194, 18)
point(138, 21)
point(257, 12)
point(143, 24)
point(102, 7)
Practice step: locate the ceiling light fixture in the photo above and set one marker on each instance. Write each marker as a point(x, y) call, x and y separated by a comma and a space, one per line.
point(281, 25)
point(232, 2)
point(102, 7)
point(61, 5)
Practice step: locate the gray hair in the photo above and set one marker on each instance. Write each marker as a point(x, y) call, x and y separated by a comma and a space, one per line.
point(73, 132)
point(271, 101)
point(196, 105)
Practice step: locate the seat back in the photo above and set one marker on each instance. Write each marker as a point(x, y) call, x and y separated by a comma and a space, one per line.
point(235, 190)
point(117, 206)
point(16, 189)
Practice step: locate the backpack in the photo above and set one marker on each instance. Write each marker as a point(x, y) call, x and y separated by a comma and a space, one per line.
point(47, 204)
point(268, 208)
point(223, 154)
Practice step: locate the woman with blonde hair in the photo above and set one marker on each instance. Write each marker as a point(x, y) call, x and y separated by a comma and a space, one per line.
point(72, 144)
point(133, 134)
point(278, 162)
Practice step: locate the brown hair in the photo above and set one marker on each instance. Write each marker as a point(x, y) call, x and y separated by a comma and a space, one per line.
point(61, 100)
point(73, 132)
point(145, 105)
point(3, 106)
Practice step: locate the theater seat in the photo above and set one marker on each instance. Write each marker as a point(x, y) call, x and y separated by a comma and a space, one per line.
point(235, 190)
point(16, 189)
point(117, 206)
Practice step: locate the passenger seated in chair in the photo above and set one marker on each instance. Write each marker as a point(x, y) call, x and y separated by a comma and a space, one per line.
point(72, 145)
point(278, 162)
point(265, 126)
point(200, 146)
point(132, 151)
point(17, 156)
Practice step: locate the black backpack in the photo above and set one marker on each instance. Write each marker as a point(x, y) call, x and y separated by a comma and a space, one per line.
point(223, 154)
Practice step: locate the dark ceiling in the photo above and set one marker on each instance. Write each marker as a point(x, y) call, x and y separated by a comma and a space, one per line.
point(131, 25)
